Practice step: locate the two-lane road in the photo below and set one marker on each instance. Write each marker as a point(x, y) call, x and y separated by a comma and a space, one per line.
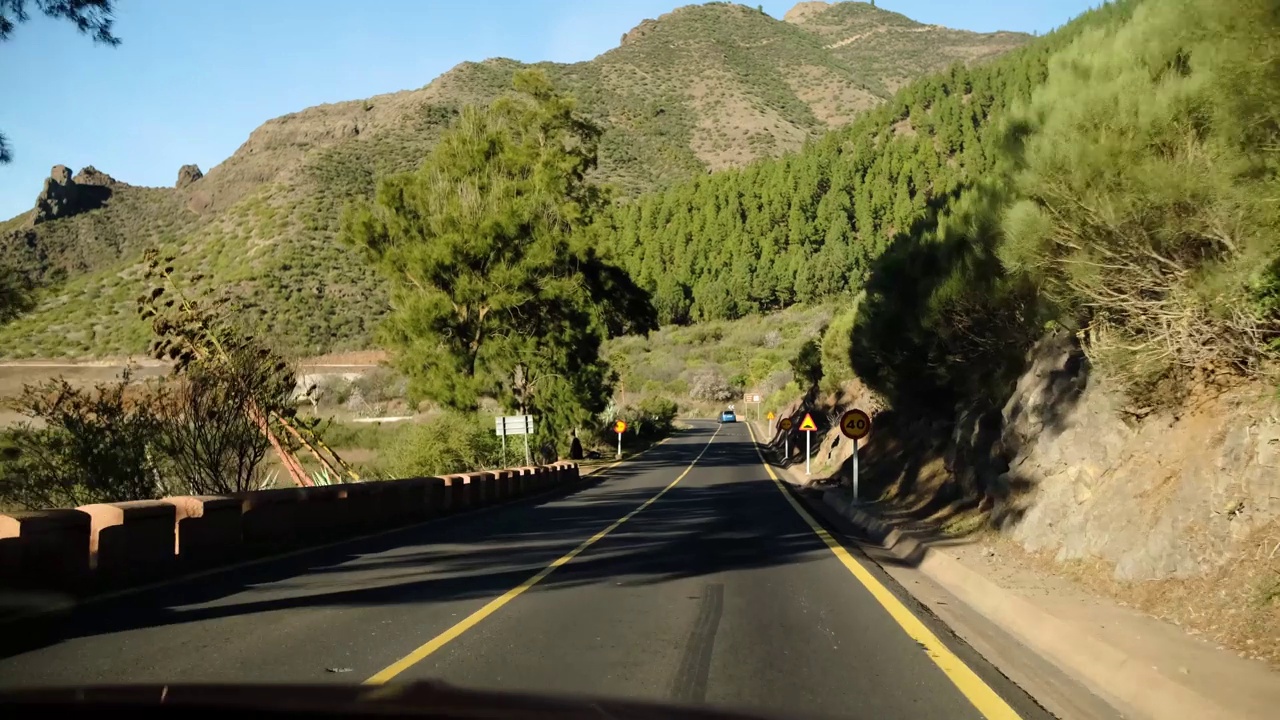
point(685, 575)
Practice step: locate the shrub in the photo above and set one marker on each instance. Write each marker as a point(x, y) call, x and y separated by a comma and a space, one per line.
point(95, 447)
point(652, 416)
point(381, 385)
point(806, 366)
point(942, 321)
point(371, 436)
point(1148, 183)
point(711, 385)
point(451, 443)
point(836, 342)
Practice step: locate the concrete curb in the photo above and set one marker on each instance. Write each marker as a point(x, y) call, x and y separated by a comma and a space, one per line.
point(1124, 681)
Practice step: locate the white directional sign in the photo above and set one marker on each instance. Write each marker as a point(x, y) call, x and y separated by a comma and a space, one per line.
point(514, 425)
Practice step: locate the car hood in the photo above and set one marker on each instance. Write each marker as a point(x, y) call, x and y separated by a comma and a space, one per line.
point(421, 699)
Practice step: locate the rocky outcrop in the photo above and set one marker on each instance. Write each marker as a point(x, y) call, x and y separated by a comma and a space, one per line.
point(90, 175)
point(63, 196)
point(187, 174)
point(1170, 496)
point(1067, 468)
point(644, 28)
point(802, 11)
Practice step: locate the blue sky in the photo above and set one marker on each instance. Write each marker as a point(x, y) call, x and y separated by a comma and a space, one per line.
point(192, 79)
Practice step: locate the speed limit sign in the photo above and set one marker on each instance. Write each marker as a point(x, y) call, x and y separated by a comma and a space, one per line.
point(855, 424)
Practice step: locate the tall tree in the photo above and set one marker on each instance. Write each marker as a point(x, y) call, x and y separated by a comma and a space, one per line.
point(91, 17)
point(496, 288)
point(16, 293)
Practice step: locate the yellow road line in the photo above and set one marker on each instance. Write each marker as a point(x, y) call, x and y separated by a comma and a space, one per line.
point(986, 700)
point(606, 468)
point(444, 638)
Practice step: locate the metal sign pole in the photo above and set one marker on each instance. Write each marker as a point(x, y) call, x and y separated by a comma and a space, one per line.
point(619, 446)
point(504, 443)
point(855, 469)
point(787, 441)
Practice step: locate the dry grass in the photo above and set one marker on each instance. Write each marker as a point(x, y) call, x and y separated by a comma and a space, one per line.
point(1237, 607)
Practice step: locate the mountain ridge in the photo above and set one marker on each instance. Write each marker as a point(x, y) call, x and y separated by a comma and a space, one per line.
point(698, 89)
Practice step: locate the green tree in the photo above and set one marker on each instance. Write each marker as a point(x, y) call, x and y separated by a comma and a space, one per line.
point(807, 365)
point(91, 17)
point(1148, 186)
point(16, 293)
point(489, 249)
point(672, 301)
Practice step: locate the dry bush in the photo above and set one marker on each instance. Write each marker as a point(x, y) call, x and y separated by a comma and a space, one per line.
point(209, 443)
point(710, 385)
point(95, 446)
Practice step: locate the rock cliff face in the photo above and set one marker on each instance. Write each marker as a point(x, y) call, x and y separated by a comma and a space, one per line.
point(1066, 470)
point(1172, 496)
point(63, 196)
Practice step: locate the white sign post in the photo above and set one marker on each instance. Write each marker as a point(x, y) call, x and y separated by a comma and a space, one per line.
point(515, 425)
point(620, 427)
point(808, 427)
point(807, 451)
point(855, 425)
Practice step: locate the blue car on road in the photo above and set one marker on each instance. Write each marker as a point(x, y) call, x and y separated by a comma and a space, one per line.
point(728, 416)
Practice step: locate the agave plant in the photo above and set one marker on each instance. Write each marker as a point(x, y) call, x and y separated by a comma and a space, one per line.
point(268, 480)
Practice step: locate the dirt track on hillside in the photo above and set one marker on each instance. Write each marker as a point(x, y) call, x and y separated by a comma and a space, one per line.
point(14, 374)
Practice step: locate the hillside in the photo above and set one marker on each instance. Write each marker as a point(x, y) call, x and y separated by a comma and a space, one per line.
point(1055, 281)
point(701, 88)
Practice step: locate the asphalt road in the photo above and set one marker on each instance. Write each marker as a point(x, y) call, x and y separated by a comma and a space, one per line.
point(719, 591)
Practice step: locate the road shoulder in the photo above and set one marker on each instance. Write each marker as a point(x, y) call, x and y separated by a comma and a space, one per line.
point(1056, 654)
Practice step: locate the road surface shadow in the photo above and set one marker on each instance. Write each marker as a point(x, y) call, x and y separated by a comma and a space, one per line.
point(713, 521)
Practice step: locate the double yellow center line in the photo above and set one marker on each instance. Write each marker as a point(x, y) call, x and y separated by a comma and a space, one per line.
point(426, 649)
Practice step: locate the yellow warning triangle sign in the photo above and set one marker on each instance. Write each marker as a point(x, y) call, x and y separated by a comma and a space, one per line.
point(807, 424)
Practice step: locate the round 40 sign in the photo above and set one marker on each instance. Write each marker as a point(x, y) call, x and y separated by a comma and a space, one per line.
point(855, 424)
